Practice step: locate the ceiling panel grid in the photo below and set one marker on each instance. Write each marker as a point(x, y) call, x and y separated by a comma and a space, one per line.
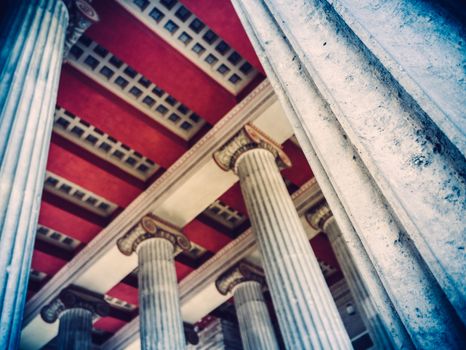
point(103, 67)
point(73, 193)
point(179, 27)
point(102, 145)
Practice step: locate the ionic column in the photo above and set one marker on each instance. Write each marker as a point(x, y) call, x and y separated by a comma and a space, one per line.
point(159, 308)
point(245, 282)
point(75, 308)
point(32, 43)
point(306, 312)
point(82, 16)
point(321, 218)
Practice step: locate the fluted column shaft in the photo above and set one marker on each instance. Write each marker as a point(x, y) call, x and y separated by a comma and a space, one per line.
point(368, 311)
point(30, 62)
point(75, 329)
point(160, 315)
point(306, 312)
point(253, 317)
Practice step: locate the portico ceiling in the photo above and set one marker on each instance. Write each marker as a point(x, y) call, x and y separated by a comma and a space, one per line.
point(140, 111)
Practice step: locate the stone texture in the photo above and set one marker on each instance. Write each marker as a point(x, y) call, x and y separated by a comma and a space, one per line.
point(414, 166)
point(306, 312)
point(416, 296)
point(30, 60)
point(321, 218)
point(161, 326)
point(75, 307)
point(75, 329)
point(82, 16)
point(253, 317)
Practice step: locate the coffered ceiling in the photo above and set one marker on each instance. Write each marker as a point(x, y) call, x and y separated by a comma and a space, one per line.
point(145, 98)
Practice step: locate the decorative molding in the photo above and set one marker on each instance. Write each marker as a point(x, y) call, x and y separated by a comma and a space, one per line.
point(250, 137)
point(78, 195)
point(152, 227)
point(190, 36)
point(103, 145)
point(247, 110)
point(115, 75)
point(318, 215)
point(225, 215)
point(75, 297)
point(242, 272)
point(238, 249)
point(208, 272)
point(82, 16)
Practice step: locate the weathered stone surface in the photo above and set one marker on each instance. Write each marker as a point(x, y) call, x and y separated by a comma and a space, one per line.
point(413, 165)
point(75, 329)
point(306, 312)
point(419, 301)
point(253, 317)
point(245, 281)
point(161, 326)
point(322, 218)
point(75, 307)
point(30, 59)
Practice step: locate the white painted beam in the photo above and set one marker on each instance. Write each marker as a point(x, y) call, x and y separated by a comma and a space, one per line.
point(178, 196)
point(198, 292)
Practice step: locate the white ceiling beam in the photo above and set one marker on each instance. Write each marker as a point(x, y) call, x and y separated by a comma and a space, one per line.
point(178, 196)
point(198, 293)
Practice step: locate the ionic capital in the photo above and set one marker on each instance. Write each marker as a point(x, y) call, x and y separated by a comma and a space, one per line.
point(152, 227)
point(75, 297)
point(82, 15)
point(319, 215)
point(242, 272)
point(248, 138)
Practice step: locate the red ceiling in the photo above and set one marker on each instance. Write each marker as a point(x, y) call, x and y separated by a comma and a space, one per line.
point(299, 172)
point(98, 106)
point(46, 263)
point(206, 236)
point(158, 61)
point(131, 41)
point(63, 221)
point(125, 292)
point(109, 324)
point(89, 176)
point(221, 17)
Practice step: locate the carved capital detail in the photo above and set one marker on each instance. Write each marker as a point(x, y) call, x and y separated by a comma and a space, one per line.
point(249, 137)
point(152, 227)
point(318, 215)
point(242, 272)
point(75, 297)
point(82, 16)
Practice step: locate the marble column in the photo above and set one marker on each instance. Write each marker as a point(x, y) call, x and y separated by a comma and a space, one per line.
point(306, 312)
point(321, 218)
point(82, 16)
point(75, 308)
point(32, 44)
point(161, 325)
point(30, 66)
point(370, 212)
point(245, 282)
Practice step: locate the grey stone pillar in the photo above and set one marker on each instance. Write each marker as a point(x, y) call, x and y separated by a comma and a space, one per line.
point(82, 16)
point(306, 312)
point(400, 250)
point(253, 317)
point(32, 43)
point(75, 329)
point(31, 57)
point(75, 308)
point(321, 218)
point(161, 325)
